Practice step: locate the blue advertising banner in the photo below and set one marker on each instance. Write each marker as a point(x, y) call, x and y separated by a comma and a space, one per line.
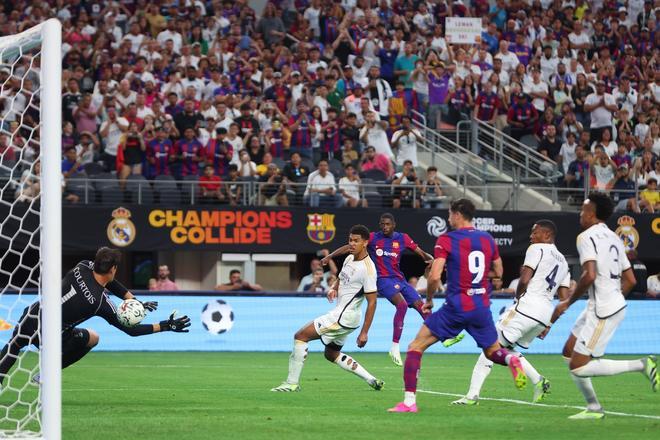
point(268, 324)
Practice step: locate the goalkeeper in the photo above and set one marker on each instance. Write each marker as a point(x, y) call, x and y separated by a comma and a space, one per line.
point(84, 296)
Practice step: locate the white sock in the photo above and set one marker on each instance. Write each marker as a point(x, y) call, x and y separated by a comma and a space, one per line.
point(530, 371)
point(409, 398)
point(296, 361)
point(349, 364)
point(608, 367)
point(480, 372)
point(587, 390)
point(395, 348)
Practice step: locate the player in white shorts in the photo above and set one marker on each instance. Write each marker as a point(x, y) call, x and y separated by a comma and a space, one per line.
point(608, 277)
point(356, 281)
point(543, 274)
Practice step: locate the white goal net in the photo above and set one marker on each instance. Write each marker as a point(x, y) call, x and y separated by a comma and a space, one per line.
point(30, 237)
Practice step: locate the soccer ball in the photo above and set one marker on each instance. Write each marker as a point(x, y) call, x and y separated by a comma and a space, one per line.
point(130, 313)
point(217, 317)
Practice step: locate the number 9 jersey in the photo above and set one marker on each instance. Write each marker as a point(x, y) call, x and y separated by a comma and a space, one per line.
point(469, 254)
point(600, 244)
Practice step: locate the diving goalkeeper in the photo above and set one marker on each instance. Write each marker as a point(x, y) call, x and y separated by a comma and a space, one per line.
point(84, 296)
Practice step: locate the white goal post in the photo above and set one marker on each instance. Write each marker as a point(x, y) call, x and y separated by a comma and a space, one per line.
point(30, 226)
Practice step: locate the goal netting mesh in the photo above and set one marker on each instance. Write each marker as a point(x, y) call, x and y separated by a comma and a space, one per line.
point(21, 115)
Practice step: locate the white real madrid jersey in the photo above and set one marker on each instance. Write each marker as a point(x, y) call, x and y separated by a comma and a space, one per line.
point(355, 278)
point(550, 273)
point(602, 245)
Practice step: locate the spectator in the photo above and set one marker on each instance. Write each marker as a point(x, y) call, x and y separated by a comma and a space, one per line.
point(131, 149)
point(272, 188)
point(246, 167)
point(522, 117)
point(160, 154)
point(606, 142)
point(603, 170)
point(234, 186)
point(406, 188)
point(190, 152)
point(210, 187)
point(112, 131)
point(246, 122)
point(622, 156)
point(331, 136)
point(649, 198)
point(29, 186)
point(316, 285)
point(405, 142)
point(459, 103)
point(550, 147)
point(85, 114)
point(188, 118)
point(372, 160)
point(577, 169)
point(72, 163)
point(321, 187)
point(219, 153)
point(294, 171)
point(314, 265)
point(237, 283)
point(348, 155)
point(623, 190)
point(374, 133)
point(349, 188)
point(601, 106)
point(431, 194)
point(439, 84)
point(163, 283)
point(567, 152)
point(302, 130)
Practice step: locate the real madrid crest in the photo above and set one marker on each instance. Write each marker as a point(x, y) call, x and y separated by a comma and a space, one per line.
point(121, 230)
point(627, 232)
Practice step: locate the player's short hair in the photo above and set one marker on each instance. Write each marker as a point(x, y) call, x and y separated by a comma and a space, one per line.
point(388, 216)
point(360, 230)
point(464, 207)
point(603, 203)
point(105, 259)
point(233, 271)
point(548, 225)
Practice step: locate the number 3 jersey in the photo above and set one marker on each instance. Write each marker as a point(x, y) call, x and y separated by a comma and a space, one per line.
point(600, 244)
point(469, 254)
point(550, 273)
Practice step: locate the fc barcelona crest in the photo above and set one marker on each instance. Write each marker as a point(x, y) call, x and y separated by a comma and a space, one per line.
point(321, 227)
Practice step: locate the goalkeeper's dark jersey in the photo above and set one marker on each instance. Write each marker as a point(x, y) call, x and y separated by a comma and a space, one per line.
point(83, 297)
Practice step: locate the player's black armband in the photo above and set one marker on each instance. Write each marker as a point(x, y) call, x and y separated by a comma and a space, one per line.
point(116, 288)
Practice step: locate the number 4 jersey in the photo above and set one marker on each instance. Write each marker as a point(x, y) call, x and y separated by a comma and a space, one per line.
point(469, 254)
point(550, 273)
point(600, 244)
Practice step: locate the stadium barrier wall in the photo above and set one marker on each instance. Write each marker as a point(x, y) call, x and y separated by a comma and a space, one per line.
point(267, 323)
point(305, 230)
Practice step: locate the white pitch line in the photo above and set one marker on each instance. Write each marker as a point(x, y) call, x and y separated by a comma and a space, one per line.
point(546, 405)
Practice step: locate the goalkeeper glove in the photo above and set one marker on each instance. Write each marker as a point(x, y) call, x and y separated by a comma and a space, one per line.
point(149, 306)
point(179, 325)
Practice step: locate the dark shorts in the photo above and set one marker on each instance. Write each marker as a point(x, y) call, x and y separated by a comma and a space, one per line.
point(389, 287)
point(447, 323)
point(27, 330)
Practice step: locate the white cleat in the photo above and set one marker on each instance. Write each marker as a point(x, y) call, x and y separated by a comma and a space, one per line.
point(36, 380)
point(395, 355)
point(287, 388)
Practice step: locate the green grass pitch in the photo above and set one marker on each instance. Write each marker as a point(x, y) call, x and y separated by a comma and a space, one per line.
point(226, 396)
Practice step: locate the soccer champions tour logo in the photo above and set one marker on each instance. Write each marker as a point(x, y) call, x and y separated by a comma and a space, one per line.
point(220, 227)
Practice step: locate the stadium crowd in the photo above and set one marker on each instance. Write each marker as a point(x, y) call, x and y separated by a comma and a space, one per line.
point(324, 93)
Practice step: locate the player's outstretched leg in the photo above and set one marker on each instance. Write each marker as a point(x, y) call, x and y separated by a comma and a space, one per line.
point(25, 333)
point(594, 409)
point(423, 340)
point(333, 354)
point(297, 358)
point(397, 327)
point(502, 356)
point(480, 372)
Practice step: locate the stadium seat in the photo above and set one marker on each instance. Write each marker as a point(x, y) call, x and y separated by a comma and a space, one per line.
point(374, 199)
point(376, 175)
point(166, 188)
point(279, 162)
point(336, 168)
point(139, 190)
point(93, 168)
point(190, 190)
